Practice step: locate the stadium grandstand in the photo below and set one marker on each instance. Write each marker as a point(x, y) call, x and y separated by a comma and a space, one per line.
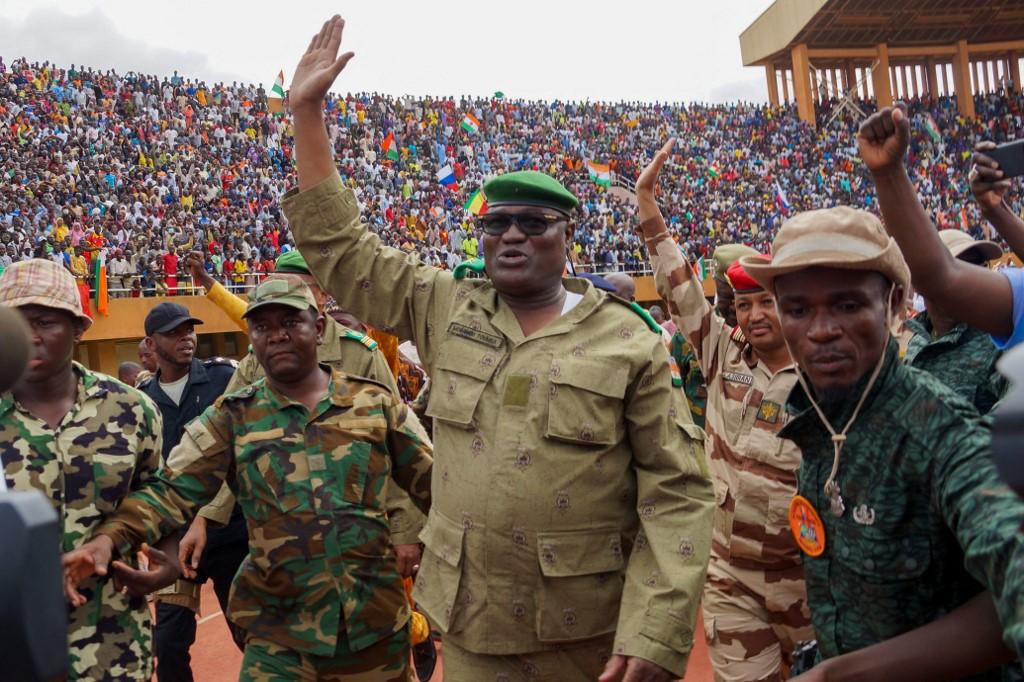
point(117, 176)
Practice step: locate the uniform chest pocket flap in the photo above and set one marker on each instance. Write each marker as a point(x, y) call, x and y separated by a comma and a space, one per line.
point(581, 584)
point(585, 403)
point(112, 473)
point(461, 373)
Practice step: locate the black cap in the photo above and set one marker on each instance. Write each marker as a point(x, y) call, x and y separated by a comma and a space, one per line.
point(166, 316)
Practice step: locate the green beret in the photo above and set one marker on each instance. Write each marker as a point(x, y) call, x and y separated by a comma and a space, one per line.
point(529, 188)
point(292, 262)
point(727, 254)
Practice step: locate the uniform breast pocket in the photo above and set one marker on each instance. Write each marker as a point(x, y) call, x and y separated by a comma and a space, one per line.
point(112, 472)
point(460, 376)
point(880, 566)
point(263, 487)
point(585, 402)
point(352, 457)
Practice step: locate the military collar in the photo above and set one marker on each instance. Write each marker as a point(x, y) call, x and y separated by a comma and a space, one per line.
point(330, 345)
point(805, 421)
point(338, 393)
point(921, 325)
point(89, 387)
point(196, 374)
point(504, 320)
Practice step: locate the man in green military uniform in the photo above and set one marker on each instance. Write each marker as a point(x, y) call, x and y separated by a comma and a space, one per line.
point(958, 355)
point(570, 527)
point(85, 441)
point(341, 348)
point(307, 450)
point(900, 512)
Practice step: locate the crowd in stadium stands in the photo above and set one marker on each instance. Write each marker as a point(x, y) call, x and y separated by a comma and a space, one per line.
point(142, 168)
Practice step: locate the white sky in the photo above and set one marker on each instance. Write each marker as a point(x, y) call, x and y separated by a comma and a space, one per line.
point(667, 50)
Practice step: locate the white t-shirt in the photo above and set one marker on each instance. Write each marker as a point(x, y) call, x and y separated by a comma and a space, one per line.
point(175, 389)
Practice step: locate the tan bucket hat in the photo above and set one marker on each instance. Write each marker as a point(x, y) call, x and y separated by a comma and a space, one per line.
point(840, 237)
point(41, 282)
point(960, 243)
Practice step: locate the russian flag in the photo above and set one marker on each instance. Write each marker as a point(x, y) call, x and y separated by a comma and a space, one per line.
point(780, 197)
point(446, 176)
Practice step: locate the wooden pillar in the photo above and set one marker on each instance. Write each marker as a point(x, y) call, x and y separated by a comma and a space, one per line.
point(933, 84)
point(833, 73)
point(849, 77)
point(962, 80)
point(219, 347)
point(881, 79)
point(773, 84)
point(1015, 71)
point(785, 85)
point(943, 78)
point(802, 84)
point(814, 84)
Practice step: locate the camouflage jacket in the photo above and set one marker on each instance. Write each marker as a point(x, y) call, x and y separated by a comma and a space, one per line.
point(311, 486)
point(693, 380)
point(927, 523)
point(754, 470)
point(964, 359)
point(355, 354)
point(108, 445)
point(571, 497)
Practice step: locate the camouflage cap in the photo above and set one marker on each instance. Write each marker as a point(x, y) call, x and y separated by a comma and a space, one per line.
point(840, 237)
point(727, 254)
point(44, 283)
point(281, 290)
point(959, 243)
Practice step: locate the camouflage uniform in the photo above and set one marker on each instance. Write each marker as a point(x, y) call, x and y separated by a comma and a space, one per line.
point(354, 354)
point(571, 500)
point(964, 359)
point(311, 486)
point(693, 379)
point(107, 446)
point(927, 523)
point(755, 604)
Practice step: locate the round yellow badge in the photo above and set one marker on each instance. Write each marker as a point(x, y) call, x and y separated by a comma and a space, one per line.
point(808, 530)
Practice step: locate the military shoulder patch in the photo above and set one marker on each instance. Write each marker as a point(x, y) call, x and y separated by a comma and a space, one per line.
point(737, 335)
point(362, 338)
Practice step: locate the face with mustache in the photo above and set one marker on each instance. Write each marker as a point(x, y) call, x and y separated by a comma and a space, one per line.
point(176, 347)
point(836, 322)
point(756, 316)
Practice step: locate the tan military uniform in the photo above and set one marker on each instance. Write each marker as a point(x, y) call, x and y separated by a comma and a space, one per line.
point(755, 606)
point(347, 352)
point(571, 501)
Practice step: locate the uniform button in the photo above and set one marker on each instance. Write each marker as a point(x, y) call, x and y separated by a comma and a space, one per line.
point(869, 564)
point(844, 552)
point(910, 564)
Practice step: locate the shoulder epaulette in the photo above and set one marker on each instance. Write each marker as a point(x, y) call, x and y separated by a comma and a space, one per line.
point(244, 392)
point(218, 360)
point(639, 310)
point(361, 338)
point(465, 267)
point(737, 335)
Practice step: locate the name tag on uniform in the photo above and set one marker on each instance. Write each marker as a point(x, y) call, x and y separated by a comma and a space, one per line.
point(475, 335)
point(736, 378)
point(517, 391)
point(316, 462)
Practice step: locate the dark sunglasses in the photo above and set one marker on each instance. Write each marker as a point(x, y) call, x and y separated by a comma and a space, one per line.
point(530, 224)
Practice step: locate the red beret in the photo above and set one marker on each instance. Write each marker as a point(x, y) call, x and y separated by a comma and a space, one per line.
point(741, 282)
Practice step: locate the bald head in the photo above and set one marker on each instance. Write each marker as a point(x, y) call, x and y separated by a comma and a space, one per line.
point(128, 372)
point(624, 285)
